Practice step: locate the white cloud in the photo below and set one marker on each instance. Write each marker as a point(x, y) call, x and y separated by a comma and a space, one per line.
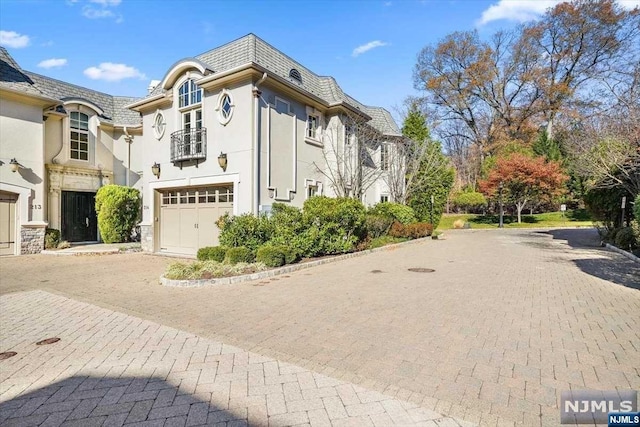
point(367, 47)
point(47, 43)
point(629, 4)
point(107, 3)
point(113, 72)
point(52, 63)
point(93, 13)
point(515, 10)
point(13, 39)
point(388, 3)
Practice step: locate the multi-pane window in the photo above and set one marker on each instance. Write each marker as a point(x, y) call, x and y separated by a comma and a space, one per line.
point(312, 126)
point(189, 94)
point(191, 196)
point(312, 190)
point(384, 157)
point(79, 135)
point(225, 108)
point(349, 133)
point(384, 198)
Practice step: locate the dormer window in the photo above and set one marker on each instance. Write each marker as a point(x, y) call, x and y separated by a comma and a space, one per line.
point(189, 94)
point(79, 124)
point(295, 75)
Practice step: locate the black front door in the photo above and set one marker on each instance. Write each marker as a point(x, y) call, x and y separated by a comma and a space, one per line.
point(79, 221)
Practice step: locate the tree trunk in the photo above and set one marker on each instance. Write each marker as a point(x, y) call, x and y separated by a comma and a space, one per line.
point(519, 208)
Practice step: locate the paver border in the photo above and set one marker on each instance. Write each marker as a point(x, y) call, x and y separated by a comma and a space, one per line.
point(629, 255)
point(221, 281)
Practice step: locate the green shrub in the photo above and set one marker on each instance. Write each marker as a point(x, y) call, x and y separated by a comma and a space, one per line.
point(469, 201)
point(377, 225)
point(397, 212)
point(271, 256)
point(64, 245)
point(636, 208)
point(286, 223)
point(118, 208)
point(625, 239)
point(239, 254)
point(244, 230)
point(331, 226)
point(212, 253)
point(51, 238)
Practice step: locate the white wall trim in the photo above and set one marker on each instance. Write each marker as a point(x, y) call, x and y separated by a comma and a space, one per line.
point(273, 191)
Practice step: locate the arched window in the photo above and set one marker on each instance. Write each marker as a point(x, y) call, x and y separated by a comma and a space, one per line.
point(79, 123)
point(189, 94)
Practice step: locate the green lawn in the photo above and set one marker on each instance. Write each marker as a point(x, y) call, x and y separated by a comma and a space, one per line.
point(577, 218)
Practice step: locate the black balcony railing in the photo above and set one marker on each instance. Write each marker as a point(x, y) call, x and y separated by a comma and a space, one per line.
point(189, 145)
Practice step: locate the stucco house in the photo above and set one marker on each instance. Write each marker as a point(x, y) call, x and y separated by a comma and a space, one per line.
point(234, 129)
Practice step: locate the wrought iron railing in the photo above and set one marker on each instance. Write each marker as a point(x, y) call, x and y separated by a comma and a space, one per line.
point(189, 145)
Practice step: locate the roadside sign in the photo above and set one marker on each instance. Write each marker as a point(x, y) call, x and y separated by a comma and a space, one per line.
point(563, 208)
point(624, 201)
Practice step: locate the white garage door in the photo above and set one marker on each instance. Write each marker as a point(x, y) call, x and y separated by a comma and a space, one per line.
point(188, 217)
point(7, 223)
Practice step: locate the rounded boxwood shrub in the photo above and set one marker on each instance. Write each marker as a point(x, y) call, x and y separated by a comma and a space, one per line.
point(212, 253)
point(118, 208)
point(397, 212)
point(51, 238)
point(239, 254)
point(377, 225)
point(244, 230)
point(271, 256)
point(625, 238)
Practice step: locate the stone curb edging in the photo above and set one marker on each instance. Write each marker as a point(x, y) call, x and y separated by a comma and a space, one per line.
point(282, 270)
point(629, 255)
point(78, 253)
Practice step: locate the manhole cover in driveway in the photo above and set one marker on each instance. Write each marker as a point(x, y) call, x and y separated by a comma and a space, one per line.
point(7, 354)
point(48, 341)
point(421, 270)
point(376, 271)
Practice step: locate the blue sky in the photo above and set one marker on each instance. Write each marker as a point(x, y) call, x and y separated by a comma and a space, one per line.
point(370, 47)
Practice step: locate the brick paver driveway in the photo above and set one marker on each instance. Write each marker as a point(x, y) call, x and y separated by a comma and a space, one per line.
point(508, 320)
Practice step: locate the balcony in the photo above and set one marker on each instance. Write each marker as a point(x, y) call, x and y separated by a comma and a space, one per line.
point(187, 145)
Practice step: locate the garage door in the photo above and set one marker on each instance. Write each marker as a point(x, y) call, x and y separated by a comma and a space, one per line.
point(188, 217)
point(7, 223)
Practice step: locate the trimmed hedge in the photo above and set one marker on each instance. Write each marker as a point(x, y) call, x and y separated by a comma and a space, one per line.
point(395, 211)
point(239, 254)
point(118, 208)
point(413, 231)
point(244, 230)
point(212, 253)
point(377, 225)
point(271, 256)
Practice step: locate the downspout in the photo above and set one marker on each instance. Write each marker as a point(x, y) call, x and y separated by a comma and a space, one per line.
point(129, 139)
point(256, 143)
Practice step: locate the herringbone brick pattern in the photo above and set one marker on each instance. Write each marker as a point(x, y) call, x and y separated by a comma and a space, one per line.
point(112, 369)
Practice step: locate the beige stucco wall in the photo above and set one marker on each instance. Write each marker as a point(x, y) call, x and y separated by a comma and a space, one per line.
point(21, 134)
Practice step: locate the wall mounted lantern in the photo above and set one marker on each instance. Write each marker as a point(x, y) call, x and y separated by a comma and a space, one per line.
point(222, 161)
point(15, 166)
point(155, 170)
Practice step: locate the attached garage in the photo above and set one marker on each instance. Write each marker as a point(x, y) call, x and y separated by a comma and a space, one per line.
point(8, 224)
point(188, 217)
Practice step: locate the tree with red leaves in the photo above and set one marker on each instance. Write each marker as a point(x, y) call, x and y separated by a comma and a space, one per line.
point(525, 179)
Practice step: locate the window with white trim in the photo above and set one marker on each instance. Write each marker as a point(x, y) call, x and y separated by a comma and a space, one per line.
point(313, 125)
point(384, 198)
point(384, 157)
point(225, 107)
point(159, 125)
point(349, 133)
point(189, 94)
point(79, 124)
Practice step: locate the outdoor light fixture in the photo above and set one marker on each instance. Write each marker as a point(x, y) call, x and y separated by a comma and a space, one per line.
point(15, 165)
point(155, 170)
point(222, 161)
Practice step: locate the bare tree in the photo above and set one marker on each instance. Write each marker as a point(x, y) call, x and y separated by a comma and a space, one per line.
point(352, 155)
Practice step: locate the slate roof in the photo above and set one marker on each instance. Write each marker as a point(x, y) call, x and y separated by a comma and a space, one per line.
point(12, 76)
point(15, 78)
point(252, 49)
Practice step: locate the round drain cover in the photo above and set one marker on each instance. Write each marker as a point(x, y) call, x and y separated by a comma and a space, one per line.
point(376, 271)
point(7, 354)
point(48, 341)
point(421, 270)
